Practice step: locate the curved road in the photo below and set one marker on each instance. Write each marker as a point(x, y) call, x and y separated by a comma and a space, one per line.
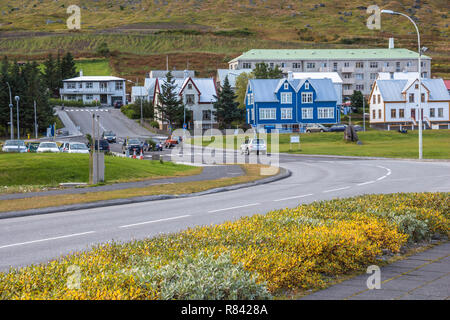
point(36, 239)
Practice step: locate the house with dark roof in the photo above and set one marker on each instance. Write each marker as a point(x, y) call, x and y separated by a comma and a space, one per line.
point(394, 104)
point(289, 104)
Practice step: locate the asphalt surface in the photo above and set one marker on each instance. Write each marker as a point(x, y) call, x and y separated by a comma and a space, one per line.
point(35, 239)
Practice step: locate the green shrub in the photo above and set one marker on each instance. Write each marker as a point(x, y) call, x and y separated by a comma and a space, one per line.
point(417, 230)
point(154, 124)
point(201, 277)
point(67, 103)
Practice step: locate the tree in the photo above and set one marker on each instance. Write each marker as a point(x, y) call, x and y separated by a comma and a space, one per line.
point(52, 75)
point(170, 108)
point(68, 68)
point(103, 50)
point(262, 71)
point(226, 108)
point(357, 101)
point(241, 87)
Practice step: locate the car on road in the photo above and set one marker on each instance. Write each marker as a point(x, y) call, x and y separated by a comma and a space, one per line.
point(132, 145)
point(172, 141)
point(254, 146)
point(109, 136)
point(74, 147)
point(32, 146)
point(48, 147)
point(315, 127)
point(118, 104)
point(14, 146)
point(338, 128)
point(104, 145)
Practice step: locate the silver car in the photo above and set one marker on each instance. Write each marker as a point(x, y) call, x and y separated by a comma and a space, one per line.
point(15, 146)
point(48, 147)
point(254, 146)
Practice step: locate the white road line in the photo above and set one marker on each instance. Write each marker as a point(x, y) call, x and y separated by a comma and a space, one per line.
point(364, 183)
point(153, 221)
point(296, 197)
point(48, 239)
point(381, 178)
point(338, 189)
point(244, 206)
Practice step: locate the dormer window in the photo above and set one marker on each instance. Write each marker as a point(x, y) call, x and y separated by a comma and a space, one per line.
point(307, 86)
point(286, 86)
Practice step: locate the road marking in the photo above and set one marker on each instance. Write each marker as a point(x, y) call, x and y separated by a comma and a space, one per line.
point(296, 197)
point(48, 239)
point(364, 183)
point(338, 189)
point(153, 221)
point(244, 206)
point(381, 178)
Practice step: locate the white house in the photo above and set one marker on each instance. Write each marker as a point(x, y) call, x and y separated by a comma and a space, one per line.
point(394, 103)
point(197, 95)
point(105, 90)
point(334, 76)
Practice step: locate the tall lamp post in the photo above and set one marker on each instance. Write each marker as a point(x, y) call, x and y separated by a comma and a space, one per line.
point(11, 112)
point(18, 126)
point(420, 76)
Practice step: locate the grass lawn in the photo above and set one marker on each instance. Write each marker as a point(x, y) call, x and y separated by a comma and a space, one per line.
point(390, 144)
point(52, 169)
point(253, 172)
point(94, 67)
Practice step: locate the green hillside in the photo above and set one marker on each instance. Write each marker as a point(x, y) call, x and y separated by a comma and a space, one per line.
point(223, 28)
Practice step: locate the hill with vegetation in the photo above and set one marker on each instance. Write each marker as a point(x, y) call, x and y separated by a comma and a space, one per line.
point(204, 35)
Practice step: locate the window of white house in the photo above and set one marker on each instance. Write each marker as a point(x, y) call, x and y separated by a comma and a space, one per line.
point(386, 64)
point(286, 97)
point(374, 115)
point(89, 97)
point(247, 65)
point(347, 87)
point(89, 85)
point(206, 115)
point(374, 99)
point(190, 99)
point(71, 85)
point(283, 64)
point(360, 65)
point(323, 64)
point(440, 112)
point(296, 65)
point(411, 97)
point(307, 97)
point(347, 75)
point(373, 76)
point(190, 86)
point(397, 66)
point(393, 113)
point(401, 113)
point(307, 86)
point(286, 113)
point(374, 64)
point(80, 85)
point(272, 65)
point(307, 113)
point(119, 85)
point(359, 76)
point(409, 64)
point(335, 66)
point(360, 87)
point(346, 64)
point(286, 86)
point(379, 114)
point(432, 112)
point(310, 65)
point(267, 114)
point(325, 113)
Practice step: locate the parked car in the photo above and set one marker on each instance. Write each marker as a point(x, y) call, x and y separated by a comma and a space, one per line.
point(118, 104)
point(14, 146)
point(315, 127)
point(132, 145)
point(109, 136)
point(74, 147)
point(338, 128)
point(358, 128)
point(32, 146)
point(104, 146)
point(48, 147)
point(254, 146)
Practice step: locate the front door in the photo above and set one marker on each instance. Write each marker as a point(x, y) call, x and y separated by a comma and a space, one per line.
point(103, 99)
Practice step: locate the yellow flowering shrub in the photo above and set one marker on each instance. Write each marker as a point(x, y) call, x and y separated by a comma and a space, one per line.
point(292, 248)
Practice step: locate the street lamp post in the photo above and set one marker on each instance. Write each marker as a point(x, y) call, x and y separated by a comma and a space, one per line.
point(18, 126)
point(11, 112)
point(420, 76)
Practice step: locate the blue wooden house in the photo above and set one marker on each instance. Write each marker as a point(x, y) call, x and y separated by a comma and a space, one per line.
point(289, 104)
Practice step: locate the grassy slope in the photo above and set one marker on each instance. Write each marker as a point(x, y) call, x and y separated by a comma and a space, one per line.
point(274, 24)
point(52, 169)
point(436, 144)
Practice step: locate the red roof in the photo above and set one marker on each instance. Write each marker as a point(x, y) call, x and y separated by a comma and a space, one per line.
point(447, 84)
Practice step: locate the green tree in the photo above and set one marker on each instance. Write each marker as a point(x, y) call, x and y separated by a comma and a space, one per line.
point(356, 100)
point(103, 50)
point(52, 75)
point(263, 71)
point(241, 87)
point(226, 108)
point(68, 68)
point(170, 108)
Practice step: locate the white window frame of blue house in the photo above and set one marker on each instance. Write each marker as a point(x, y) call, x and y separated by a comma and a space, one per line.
point(286, 113)
point(307, 97)
point(307, 86)
point(286, 97)
point(250, 99)
point(307, 113)
point(286, 86)
point(325, 113)
point(267, 114)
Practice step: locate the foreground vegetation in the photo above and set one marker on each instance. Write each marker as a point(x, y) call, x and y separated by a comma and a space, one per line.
point(252, 258)
point(49, 170)
point(390, 144)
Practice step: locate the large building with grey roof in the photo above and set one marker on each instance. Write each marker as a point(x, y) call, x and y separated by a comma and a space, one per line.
point(358, 68)
point(394, 104)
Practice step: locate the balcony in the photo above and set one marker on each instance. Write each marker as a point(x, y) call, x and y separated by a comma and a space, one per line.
point(388, 69)
point(348, 80)
point(347, 92)
point(348, 69)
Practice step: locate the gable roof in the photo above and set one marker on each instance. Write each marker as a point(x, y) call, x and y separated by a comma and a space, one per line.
point(95, 78)
point(391, 90)
point(205, 86)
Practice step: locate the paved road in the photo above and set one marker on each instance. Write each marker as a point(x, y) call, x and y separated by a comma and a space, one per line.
point(35, 239)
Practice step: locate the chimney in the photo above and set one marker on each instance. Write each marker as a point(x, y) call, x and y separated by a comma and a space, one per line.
point(391, 43)
point(81, 73)
point(290, 75)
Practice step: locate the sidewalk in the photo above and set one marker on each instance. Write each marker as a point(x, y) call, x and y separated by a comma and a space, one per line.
point(423, 276)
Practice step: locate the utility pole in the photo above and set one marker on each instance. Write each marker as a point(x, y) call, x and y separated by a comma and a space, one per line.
point(364, 114)
point(35, 121)
point(18, 127)
point(91, 159)
point(11, 112)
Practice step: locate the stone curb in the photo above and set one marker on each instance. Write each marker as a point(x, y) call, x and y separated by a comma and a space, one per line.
point(283, 174)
